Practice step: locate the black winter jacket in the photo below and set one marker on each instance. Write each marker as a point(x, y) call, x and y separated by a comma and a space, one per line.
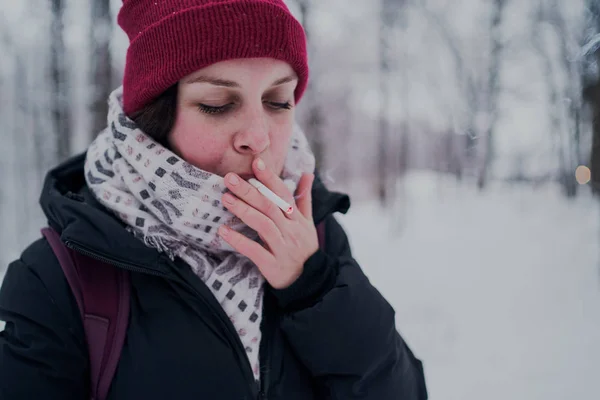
point(331, 335)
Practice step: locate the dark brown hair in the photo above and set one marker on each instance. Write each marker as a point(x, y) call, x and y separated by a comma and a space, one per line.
point(157, 118)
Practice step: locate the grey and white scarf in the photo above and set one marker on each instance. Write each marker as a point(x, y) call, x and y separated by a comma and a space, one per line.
point(176, 208)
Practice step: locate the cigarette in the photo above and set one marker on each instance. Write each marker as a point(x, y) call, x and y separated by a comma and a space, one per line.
point(265, 191)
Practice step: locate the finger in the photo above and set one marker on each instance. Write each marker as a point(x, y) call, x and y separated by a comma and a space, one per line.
point(251, 196)
point(262, 258)
point(254, 251)
point(304, 195)
point(271, 180)
point(256, 220)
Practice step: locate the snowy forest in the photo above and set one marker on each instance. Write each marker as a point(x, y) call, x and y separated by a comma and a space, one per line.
point(467, 127)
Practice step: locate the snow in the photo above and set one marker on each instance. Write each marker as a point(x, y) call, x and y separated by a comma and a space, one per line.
point(496, 292)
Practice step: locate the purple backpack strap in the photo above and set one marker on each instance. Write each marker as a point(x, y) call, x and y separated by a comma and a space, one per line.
point(102, 292)
point(321, 234)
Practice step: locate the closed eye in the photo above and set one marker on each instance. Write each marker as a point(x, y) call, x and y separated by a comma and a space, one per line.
point(216, 110)
point(280, 106)
point(211, 110)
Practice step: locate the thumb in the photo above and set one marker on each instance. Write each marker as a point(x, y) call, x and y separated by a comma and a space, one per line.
point(304, 195)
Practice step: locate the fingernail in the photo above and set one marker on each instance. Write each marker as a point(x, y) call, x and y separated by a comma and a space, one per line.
point(260, 164)
point(233, 179)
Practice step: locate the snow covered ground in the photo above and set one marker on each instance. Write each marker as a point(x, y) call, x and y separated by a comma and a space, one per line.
point(498, 293)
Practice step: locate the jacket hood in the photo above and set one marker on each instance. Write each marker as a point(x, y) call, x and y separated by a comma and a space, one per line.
point(73, 211)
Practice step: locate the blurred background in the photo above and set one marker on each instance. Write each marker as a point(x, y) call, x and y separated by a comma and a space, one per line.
point(467, 133)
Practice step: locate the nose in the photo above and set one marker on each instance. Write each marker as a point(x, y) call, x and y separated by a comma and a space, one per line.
point(253, 135)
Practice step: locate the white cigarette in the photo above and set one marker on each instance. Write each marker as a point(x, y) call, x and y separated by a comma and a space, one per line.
point(285, 207)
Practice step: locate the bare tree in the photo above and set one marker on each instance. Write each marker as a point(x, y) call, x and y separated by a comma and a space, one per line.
point(7, 47)
point(314, 115)
point(101, 64)
point(27, 132)
point(61, 118)
point(565, 99)
point(387, 169)
point(591, 89)
point(493, 90)
point(21, 143)
point(479, 83)
point(470, 84)
point(592, 95)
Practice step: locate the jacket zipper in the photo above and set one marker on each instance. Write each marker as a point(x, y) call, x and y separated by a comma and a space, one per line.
point(228, 325)
point(218, 310)
point(265, 359)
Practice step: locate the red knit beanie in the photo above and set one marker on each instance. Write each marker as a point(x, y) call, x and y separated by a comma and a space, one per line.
point(170, 39)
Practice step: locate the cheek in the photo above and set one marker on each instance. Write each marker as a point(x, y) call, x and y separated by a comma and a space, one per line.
point(280, 142)
point(192, 139)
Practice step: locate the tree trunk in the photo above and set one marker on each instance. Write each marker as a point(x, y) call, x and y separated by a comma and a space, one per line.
point(493, 89)
point(595, 158)
point(563, 120)
point(314, 116)
point(21, 193)
point(572, 92)
point(592, 95)
point(471, 90)
point(100, 65)
point(383, 189)
point(386, 174)
point(60, 104)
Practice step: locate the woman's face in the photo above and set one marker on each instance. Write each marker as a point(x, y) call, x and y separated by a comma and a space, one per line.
point(234, 111)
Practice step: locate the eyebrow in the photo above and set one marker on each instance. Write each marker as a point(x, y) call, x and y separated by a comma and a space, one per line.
point(287, 79)
point(232, 84)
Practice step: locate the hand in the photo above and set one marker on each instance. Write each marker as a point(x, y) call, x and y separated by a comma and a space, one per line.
point(289, 240)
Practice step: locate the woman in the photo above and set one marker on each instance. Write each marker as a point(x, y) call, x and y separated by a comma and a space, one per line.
point(207, 103)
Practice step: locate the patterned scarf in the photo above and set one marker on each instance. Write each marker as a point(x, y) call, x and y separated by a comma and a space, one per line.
point(176, 208)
